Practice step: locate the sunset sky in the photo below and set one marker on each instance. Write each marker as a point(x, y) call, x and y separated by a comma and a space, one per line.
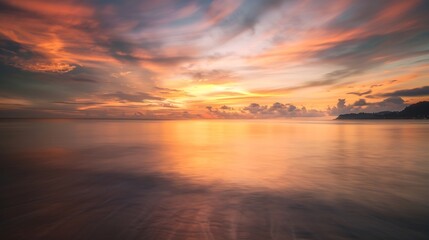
point(170, 59)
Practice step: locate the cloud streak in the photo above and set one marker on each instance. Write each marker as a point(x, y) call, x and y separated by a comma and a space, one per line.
point(173, 58)
point(360, 93)
point(414, 92)
point(131, 97)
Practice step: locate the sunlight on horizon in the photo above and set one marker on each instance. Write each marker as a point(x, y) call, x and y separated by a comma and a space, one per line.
point(176, 59)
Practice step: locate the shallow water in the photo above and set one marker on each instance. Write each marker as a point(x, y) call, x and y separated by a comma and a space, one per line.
point(267, 179)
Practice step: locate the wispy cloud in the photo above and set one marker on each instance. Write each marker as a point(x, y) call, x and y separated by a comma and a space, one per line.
point(131, 97)
point(180, 56)
point(360, 93)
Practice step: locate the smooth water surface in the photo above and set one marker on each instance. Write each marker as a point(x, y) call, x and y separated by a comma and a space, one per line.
point(214, 179)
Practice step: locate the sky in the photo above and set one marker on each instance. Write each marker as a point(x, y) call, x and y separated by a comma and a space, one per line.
point(185, 59)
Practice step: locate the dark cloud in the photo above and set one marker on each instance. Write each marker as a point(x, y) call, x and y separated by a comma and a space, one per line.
point(122, 49)
point(361, 54)
point(360, 93)
point(221, 108)
point(210, 76)
point(8, 9)
point(360, 13)
point(247, 16)
point(78, 103)
point(392, 100)
point(25, 58)
point(42, 87)
point(138, 114)
point(129, 97)
point(384, 83)
point(83, 79)
point(255, 108)
point(171, 93)
point(166, 90)
point(225, 112)
point(360, 102)
point(388, 104)
point(280, 110)
point(224, 107)
point(376, 85)
point(357, 14)
point(127, 50)
point(414, 92)
point(377, 45)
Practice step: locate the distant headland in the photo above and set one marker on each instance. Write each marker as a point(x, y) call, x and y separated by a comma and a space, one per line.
point(419, 110)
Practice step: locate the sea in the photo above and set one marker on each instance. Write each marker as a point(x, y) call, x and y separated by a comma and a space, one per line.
point(214, 179)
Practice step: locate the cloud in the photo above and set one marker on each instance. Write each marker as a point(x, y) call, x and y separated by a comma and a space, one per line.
point(171, 93)
point(44, 66)
point(392, 100)
point(52, 52)
point(359, 55)
point(166, 90)
point(224, 112)
point(210, 76)
point(373, 15)
point(415, 92)
point(129, 97)
point(382, 84)
point(168, 105)
point(389, 31)
point(255, 110)
point(78, 103)
point(224, 107)
point(329, 79)
point(247, 16)
point(360, 93)
point(121, 74)
point(360, 102)
point(388, 104)
point(280, 110)
point(23, 57)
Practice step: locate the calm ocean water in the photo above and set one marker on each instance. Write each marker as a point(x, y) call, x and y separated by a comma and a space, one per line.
point(267, 179)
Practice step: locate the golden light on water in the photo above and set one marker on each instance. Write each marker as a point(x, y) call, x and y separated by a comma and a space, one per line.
point(224, 178)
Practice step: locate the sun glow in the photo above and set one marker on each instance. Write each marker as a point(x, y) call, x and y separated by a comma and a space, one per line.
point(169, 58)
